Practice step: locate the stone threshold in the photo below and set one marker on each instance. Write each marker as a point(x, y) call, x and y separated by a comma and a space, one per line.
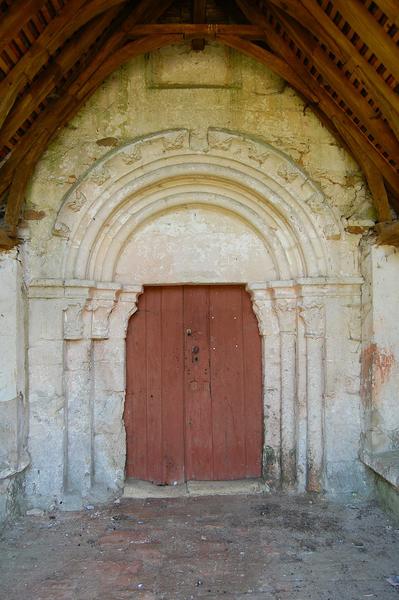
point(135, 488)
point(385, 464)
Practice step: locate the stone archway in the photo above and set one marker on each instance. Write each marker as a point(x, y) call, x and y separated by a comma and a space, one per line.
point(104, 223)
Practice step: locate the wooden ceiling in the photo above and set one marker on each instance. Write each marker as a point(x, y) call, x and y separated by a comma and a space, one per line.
point(341, 56)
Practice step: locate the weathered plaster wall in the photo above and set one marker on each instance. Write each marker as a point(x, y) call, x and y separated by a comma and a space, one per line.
point(176, 89)
point(13, 453)
point(380, 356)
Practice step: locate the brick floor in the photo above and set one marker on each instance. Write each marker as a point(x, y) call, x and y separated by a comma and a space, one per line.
point(231, 547)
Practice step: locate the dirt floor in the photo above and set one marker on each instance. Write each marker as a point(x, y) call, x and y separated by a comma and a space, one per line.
point(244, 547)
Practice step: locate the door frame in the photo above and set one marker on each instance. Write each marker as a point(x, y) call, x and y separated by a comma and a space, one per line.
point(243, 297)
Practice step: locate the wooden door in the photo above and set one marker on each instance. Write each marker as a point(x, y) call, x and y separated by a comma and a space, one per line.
point(193, 406)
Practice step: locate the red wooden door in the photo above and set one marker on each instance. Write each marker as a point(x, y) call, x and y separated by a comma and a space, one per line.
point(193, 406)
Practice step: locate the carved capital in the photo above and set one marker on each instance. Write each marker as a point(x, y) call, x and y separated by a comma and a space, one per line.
point(100, 312)
point(125, 307)
point(286, 311)
point(101, 304)
point(313, 316)
point(262, 305)
point(73, 321)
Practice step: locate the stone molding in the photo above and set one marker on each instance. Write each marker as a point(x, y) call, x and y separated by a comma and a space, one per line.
point(155, 173)
point(87, 305)
point(278, 305)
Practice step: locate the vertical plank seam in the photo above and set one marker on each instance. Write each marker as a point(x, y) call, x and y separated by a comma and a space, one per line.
point(244, 380)
point(210, 378)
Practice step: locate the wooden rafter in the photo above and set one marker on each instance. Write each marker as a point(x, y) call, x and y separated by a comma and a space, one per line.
point(333, 112)
point(359, 18)
point(199, 16)
point(190, 30)
point(308, 13)
point(390, 8)
point(270, 60)
point(18, 15)
point(47, 81)
point(74, 15)
point(336, 79)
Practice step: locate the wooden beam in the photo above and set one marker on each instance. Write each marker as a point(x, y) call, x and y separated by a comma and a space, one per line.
point(326, 104)
point(391, 9)
point(199, 16)
point(6, 242)
point(377, 188)
point(328, 33)
point(312, 23)
point(189, 30)
point(16, 17)
point(53, 74)
point(270, 60)
point(371, 32)
point(16, 195)
point(374, 177)
point(73, 16)
point(63, 110)
point(388, 234)
point(336, 79)
point(145, 10)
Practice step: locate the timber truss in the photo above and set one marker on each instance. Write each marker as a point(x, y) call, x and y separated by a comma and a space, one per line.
point(341, 56)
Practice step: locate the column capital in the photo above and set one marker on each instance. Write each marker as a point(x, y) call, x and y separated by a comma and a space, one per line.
point(312, 312)
point(286, 310)
point(262, 304)
point(125, 307)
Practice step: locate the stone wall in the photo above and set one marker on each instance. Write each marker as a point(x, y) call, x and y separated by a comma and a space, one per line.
point(175, 172)
point(13, 414)
point(380, 369)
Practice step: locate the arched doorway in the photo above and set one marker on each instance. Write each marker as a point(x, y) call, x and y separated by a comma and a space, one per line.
point(193, 407)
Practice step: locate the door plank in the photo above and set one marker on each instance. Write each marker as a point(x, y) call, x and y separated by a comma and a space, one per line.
point(198, 405)
point(172, 353)
point(135, 415)
point(227, 383)
point(154, 386)
point(252, 364)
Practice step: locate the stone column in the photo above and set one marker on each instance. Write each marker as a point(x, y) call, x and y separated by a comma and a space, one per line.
point(45, 480)
point(262, 303)
point(286, 310)
point(77, 382)
point(85, 322)
point(312, 311)
point(110, 387)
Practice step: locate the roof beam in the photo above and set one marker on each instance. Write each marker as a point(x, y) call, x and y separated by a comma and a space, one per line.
point(63, 110)
point(371, 32)
point(251, 32)
point(334, 77)
point(199, 16)
point(388, 233)
point(326, 104)
point(279, 66)
point(391, 9)
point(329, 34)
point(48, 80)
point(74, 15)
point(17, 16)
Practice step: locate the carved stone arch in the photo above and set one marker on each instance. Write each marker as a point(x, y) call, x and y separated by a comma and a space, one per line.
point(239, 173)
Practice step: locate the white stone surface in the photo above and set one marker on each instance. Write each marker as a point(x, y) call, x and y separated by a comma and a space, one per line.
point(13, 427)
point(223, 179)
